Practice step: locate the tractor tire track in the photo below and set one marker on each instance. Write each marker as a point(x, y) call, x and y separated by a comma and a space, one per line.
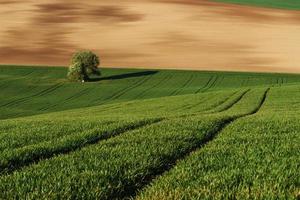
point(213, 84)
point(131, 191)
point(28, 98)
point(215, 78)
point(207, 99)
point(145, 90)
point(72, 97)
point(187, 83)
point(119, 93)
point(234, 102)
point(14, 164)
point(133, 87)
point(207, 83)
point(189, 106)
point(142, 94)
point(208, 111)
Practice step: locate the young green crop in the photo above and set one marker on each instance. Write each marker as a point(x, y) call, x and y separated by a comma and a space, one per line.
point(11, 159)
point(256, 157)
point(34, 90)
point(30, 139)
point(121, 165)
point(135, 125)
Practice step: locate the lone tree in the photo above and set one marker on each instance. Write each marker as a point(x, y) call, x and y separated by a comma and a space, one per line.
point(83, 64)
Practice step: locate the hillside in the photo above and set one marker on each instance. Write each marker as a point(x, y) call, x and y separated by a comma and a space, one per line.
point(34, 90)
point(141, 135)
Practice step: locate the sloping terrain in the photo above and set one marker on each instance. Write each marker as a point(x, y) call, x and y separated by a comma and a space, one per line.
point(33, 90)
point(168, 34)
point(195, 135)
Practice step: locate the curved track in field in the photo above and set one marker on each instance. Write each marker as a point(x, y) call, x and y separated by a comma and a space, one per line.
point(38, 94)
point(15, 164)
point(201, 143)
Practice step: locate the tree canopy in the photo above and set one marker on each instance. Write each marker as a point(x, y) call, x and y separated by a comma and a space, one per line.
point(83, 65)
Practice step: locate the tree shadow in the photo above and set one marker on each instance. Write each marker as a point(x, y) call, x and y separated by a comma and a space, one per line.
point(124, 76)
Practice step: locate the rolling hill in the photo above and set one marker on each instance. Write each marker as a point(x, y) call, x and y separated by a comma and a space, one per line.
point(149, 134)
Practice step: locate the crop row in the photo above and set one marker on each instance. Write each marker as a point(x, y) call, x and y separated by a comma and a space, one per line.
point(120, 166)
point(30, 139)
point(26, 141)
point(29, 91)
point(17, 133)
point(113, 168)
point(11, 159)
point(257, 157)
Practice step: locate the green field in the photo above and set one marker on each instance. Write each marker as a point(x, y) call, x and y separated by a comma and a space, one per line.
point(149, 134)
point(282, 4)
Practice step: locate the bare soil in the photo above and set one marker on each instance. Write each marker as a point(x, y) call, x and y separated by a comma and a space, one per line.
point(177, 34)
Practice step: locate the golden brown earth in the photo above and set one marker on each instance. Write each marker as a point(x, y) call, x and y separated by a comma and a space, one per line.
point(180, 34)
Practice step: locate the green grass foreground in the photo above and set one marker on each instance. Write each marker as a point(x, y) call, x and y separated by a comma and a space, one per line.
point(149, 134)
point(283, 4)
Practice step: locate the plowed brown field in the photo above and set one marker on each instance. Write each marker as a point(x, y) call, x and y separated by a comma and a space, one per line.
point(180, 34)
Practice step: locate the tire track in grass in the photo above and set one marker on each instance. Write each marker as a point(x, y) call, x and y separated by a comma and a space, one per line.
point(4, 84)
point(72, 97)
point(27, 158)
point(213, 84)
point(139, 94)
point(281, 81)
point(121, 92)
point(220, 81)
point(133, 87)
point(227, 107)
point(164, 162)
point(189, 106)
point(27, 74)
point(30, 82)
point(245, 82)
point(209, 137)
point(234, 102)
point(187, 83)
point(142, 94)
point(184, 108)
point(28, 98)
point(248, 81)
point(213, 80)
point(273, 82)
point(206, 111)
point(207, 83)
